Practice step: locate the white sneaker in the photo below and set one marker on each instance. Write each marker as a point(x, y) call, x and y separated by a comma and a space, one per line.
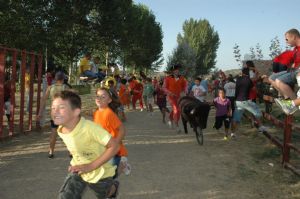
point(232, 135)
point(298, 93)
point(286, 105)
point(142, 109)
point(170, 124)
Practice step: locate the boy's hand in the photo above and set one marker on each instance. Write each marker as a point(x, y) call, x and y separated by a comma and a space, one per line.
point(83, 168)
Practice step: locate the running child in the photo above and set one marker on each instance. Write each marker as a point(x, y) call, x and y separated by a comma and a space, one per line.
point(223, 111)
point(148, 95)
point(161, 100)
point(124, 96)
point(110, 121)
point(198, 91)
point(91, 146)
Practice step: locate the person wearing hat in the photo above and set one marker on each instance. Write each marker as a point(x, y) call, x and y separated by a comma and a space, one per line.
point(58, 86)
point(174, 85)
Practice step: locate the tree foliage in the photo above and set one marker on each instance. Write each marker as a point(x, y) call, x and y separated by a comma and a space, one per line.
point(204, 40)
point(185, 55)
point(237, 54)
point(275, 48)
point(67, 29)
point(259, 53)
point(252, 53)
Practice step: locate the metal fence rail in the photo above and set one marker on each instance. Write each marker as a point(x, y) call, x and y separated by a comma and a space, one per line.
point(15, 68)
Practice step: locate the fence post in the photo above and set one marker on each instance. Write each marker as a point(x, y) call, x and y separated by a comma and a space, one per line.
point(2, 66)
point(22, 90)
point(40, 65)
point(287, 139)
point(13, 92)
point(31, 90)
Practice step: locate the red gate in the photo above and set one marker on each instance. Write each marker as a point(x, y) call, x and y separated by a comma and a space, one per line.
point(13, 64)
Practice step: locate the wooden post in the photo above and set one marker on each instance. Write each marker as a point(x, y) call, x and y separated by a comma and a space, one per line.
point(2, 71)
point(287, 139)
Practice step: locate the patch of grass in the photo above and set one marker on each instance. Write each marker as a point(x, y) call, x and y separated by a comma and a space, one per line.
point(268, 153)
point(82, 89)
point(245, 172)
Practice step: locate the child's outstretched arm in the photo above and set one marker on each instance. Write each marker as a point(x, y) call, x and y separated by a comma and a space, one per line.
point(112, 148)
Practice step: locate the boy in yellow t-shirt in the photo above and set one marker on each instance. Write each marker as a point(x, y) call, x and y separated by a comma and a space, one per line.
point(91, 146)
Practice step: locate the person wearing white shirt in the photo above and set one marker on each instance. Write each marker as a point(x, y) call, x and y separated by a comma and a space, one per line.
point(199, 91)
point(230, 91)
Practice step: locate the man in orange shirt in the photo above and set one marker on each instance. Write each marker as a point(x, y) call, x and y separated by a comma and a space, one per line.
point(136, 89)
point(174, 85)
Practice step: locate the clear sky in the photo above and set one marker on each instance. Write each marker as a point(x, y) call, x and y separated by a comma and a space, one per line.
point(245, 22)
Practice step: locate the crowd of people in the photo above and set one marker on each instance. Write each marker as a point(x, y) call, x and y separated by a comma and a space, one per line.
point(96, 147)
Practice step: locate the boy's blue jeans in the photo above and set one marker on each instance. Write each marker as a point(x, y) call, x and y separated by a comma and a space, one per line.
point(74, 187)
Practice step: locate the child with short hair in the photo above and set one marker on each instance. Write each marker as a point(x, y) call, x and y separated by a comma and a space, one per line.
point(148, 94)
point(223, 111)
point(124, 96)
point(198, 91)
point(161, 100)
point(91, 146)
point(105, 117)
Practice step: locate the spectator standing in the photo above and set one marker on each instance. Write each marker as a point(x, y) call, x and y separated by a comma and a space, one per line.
point(229, 88)
point(253, 74)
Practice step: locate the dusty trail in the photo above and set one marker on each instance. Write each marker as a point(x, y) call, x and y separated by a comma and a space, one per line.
point(164, 165)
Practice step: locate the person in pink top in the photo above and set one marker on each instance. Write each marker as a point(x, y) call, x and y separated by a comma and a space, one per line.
point(223, 111)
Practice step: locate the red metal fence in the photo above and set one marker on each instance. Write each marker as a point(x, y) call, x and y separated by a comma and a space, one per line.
point(286, 145)
point(13, 63)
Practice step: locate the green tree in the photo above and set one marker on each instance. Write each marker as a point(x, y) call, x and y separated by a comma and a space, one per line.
point(237, 54)
point(186, 56)
point(275, 48)
point(201, 37)
point(145, 36)
point(67, 29)
point(259, 53)
point(252, 53)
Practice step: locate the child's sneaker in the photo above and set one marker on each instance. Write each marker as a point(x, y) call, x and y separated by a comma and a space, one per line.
point(262, 129)
point(170, 124)
point(298, 93)
point(287, 106)
point(225, 138)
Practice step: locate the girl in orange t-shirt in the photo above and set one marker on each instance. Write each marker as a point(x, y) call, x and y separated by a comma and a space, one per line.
point(110, 121)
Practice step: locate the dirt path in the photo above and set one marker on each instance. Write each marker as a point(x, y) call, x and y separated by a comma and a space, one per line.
point(164, 165)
